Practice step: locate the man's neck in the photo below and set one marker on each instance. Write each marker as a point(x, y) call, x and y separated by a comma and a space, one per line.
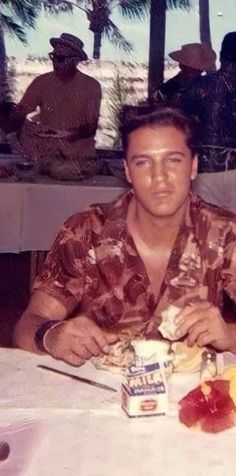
point(155, 231)
point(69, 77)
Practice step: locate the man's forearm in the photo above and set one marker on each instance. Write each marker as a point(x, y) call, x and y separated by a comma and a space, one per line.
point(83, 132)
point(42, 308)
point(24, 332)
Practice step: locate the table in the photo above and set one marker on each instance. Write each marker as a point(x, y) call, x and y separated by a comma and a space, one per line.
point(31, 213)
point(86, 433)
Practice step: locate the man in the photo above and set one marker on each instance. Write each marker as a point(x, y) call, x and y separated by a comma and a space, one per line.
point(193, 59)
point(69, 103)
point(212, 98)
point(116, 267)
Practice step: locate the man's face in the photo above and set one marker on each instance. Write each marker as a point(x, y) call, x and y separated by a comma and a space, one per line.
point(160, 167)
point(190, 73)
point(64, 63)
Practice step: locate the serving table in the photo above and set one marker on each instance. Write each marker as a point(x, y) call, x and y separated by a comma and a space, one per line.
point(84, 431)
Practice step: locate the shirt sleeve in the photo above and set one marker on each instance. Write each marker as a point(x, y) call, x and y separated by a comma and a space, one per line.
point(94, 104)
point(62, 276)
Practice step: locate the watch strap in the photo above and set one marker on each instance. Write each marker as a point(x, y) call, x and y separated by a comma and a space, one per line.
point(41, 331)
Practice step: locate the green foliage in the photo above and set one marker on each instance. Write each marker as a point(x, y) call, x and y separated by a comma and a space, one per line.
point(16, 15)
point(184, 4)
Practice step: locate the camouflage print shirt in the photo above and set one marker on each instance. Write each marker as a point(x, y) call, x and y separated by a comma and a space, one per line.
point(94, 265)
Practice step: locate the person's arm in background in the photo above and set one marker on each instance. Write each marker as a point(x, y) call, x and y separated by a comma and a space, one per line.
point(92, 115)
point(12, 116)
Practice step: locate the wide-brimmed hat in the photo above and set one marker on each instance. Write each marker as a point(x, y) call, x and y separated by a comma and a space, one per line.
point(70, 41)
point(196, 55)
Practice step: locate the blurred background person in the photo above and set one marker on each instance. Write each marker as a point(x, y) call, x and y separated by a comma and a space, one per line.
point(193, 59)
point(68, 102)
point(212, 99)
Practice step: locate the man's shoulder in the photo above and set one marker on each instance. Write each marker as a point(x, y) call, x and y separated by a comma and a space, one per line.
point(88, 80)
point(96, 216)
point(44, 77)
point(206, 213)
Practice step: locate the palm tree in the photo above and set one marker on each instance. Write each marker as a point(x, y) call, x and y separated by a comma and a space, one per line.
point(15, 15)
point(99, 13)
point(204, 17)
point(157, 40)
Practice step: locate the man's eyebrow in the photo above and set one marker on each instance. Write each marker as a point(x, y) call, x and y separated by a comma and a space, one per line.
point(152, 154)
point(141, 156)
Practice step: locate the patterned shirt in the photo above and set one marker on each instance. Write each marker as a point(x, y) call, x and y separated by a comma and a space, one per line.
point(94, 265)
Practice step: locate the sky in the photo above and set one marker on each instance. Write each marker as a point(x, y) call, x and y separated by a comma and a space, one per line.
point(182, 27)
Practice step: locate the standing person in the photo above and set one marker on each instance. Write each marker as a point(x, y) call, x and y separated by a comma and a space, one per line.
point(193, 59)
point(212, 99)
point(116, 267)
point(69, 103)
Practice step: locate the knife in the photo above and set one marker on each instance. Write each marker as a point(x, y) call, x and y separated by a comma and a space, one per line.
point(79, 379)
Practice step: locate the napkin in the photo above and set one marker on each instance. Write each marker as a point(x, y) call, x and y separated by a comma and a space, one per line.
point(168, 327)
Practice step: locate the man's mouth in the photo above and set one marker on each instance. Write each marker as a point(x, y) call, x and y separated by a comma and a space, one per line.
point(161, 192)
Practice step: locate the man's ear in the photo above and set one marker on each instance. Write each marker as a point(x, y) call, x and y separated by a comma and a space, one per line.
point(194, 167)
point(127, 174)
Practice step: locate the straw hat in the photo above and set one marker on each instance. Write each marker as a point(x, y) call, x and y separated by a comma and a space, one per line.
point(70, 41)
point(196, 55)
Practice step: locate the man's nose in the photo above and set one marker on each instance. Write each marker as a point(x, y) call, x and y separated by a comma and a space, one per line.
point(159, 172)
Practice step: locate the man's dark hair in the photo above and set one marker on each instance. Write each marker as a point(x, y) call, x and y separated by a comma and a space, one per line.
point(161, 116)
point(228, 47)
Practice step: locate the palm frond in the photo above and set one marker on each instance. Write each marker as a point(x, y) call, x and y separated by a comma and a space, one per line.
point(57, 6)
point(26, 11)
point(184, 4)
point(13, 28)
point(133, 9)
point(112, 32)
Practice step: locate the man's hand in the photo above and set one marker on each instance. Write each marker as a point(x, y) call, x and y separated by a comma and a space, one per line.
point(204, 325)
point(76, 340)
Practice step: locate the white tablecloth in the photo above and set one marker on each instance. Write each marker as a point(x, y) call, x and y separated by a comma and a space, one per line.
point(31, 213)
point(86, 433)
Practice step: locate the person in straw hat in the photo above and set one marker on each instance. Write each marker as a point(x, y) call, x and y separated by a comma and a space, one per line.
point(193, 59)
point(68, 102)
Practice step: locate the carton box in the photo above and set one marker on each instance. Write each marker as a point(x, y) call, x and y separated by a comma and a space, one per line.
point(145, 390)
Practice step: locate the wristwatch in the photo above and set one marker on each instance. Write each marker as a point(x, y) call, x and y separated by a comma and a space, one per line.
point(41, 331)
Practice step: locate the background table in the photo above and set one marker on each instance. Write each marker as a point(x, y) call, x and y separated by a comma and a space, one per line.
point(86, 433)
point(31, 213)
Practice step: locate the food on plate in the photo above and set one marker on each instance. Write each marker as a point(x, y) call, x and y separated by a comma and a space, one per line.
point(229, 373)
point(178, 356)
point(186, 359)
point(120, 357)
point(208, 407)
point(167, 328)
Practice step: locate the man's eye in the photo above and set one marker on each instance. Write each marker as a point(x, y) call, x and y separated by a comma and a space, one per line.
point(142, 162)
point(173, 160)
